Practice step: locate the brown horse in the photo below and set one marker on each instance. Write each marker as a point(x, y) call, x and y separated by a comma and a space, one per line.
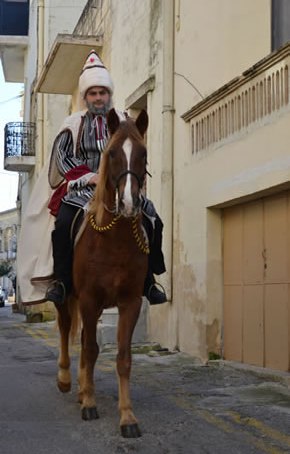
point(110, 265)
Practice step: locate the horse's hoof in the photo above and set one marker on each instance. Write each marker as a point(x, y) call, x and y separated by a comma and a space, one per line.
point(130, 431)
point(63, 387)
point(89, 413)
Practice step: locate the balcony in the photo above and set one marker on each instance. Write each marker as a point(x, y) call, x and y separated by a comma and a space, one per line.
point(19, 147)
point(239, 135)
point(14, 18)
point(67, 56)
point(244, 104)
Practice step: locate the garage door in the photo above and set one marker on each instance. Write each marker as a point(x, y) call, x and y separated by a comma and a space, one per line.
point(256, 250)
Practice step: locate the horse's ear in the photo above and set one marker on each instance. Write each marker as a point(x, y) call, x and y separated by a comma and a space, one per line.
point(113, 121)
point(142, 122)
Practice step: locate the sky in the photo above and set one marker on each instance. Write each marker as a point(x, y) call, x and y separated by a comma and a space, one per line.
point(9, 111)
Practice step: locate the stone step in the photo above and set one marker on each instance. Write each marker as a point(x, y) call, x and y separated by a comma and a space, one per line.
point(107, 327)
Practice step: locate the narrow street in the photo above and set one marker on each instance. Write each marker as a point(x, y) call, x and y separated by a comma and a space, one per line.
point(182, 406)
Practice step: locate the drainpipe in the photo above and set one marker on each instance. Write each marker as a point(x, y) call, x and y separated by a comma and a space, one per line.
point(18, 227)
point(40, 96)
point(167, 138)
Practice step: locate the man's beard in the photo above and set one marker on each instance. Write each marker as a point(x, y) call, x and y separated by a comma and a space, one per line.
point(99, 110)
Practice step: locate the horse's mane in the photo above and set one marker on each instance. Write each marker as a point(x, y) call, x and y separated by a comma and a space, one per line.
point(126, 129)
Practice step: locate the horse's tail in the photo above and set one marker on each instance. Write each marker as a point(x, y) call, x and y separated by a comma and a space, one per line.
point(75, 318)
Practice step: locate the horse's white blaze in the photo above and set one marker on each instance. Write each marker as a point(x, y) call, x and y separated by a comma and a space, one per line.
point(128, 200)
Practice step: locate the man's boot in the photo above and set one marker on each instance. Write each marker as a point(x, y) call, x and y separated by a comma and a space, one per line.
point(62, 267)
point(152, 293)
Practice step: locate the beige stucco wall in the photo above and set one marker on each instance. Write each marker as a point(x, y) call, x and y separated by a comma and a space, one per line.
point(137, 54)
point(216, 41)
point(208, 54)
point(130, 52)
point(46, 110)
point(8, 219)
point(213, 43)
point(249, 167)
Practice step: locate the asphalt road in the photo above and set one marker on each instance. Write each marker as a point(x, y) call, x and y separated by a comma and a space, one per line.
point(182, 406)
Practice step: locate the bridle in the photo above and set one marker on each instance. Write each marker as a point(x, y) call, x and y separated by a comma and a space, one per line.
point(140, 181)
point(134, 174)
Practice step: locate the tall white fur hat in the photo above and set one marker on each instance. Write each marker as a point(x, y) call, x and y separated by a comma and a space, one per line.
point(94, 74)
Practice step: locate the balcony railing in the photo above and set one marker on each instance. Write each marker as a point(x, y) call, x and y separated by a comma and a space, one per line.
point(242, 105)
point(19, 147)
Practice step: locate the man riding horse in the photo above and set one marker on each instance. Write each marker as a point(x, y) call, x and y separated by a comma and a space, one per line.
point(73, 173)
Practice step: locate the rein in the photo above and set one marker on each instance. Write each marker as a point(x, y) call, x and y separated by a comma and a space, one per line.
point(140, 242)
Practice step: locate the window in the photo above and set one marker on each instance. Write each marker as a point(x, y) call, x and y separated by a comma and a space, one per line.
point(280, 27)
point(14, 17)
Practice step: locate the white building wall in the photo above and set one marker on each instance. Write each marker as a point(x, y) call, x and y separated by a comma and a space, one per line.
point(136, 54)
point(26, 180)
point(8, 220)
point(130, 52)
point(59, 17)
point(214, 43)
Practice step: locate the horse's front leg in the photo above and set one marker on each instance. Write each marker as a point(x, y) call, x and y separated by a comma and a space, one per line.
point(88, 357)
point(128, 316)
point(64, 325)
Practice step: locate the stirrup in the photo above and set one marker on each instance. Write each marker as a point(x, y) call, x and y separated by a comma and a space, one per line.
point(56, 292)
point(161, 294)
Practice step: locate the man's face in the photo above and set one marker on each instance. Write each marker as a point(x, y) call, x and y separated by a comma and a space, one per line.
point(97, 99)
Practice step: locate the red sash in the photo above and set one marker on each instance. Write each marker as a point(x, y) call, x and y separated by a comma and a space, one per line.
point(61, 191)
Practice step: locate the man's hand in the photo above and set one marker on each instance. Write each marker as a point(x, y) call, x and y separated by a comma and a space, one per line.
point(94, 180)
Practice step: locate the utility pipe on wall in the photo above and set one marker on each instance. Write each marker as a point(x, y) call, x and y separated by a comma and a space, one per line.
point(40, 96)
point(167, 138)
